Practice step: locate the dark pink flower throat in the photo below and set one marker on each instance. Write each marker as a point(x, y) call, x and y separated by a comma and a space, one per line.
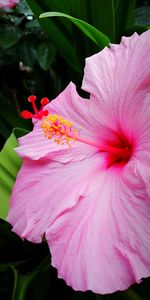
point(118, 151)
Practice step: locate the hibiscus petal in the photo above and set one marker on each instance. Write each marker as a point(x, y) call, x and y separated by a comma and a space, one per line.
point(141, 129)
point(72, 107)
point(44, 190)
point(142, 170)
point(106, 233)
point(118, 79)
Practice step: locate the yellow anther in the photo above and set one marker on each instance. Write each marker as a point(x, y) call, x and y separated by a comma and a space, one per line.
point(60, 129)
point(54, 127)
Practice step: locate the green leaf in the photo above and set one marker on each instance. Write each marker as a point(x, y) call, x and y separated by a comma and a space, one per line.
point(63, 6)
point(9, 35)
point(10, 164)
point(99, 297)
point(19, 289)
point(103, 17)
point(45, 55)
point(8, 56)
point(5, 266)
point(94, 34)
point(23, 8)
point(38, 280)
point(98, 13)
point(26, 49)
point(131, 295)
point(33, 25)
point(44, 265)
point(56, 35)
point(124, 17)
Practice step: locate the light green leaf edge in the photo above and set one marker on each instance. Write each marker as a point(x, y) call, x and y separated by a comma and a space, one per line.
point(10, 164)
point(94, 34)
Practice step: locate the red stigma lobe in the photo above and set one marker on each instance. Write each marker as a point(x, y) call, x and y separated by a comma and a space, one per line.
point(37, 114)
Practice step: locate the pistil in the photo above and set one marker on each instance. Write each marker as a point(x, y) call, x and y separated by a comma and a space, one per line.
point(63, 132)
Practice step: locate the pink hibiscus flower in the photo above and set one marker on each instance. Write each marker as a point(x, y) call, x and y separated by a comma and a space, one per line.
point(86, 188)
point(8, 3)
